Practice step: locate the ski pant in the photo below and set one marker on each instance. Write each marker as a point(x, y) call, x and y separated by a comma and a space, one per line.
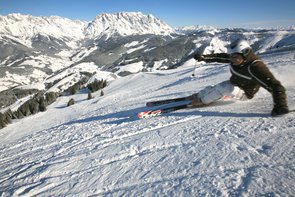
point(218, 91)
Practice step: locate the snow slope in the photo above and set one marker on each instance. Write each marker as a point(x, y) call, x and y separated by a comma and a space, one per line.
point(99, 147)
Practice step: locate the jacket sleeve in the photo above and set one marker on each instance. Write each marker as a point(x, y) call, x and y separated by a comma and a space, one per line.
point(217, 57)
point(262, 75)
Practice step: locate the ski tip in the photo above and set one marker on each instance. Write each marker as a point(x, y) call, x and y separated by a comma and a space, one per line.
point(140, 114)
point(147, 114)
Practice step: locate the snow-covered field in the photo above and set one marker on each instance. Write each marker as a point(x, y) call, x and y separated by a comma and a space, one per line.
point(99, 147)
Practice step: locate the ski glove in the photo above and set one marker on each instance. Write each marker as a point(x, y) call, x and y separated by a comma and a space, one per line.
point(279, 110)
point(198, 57)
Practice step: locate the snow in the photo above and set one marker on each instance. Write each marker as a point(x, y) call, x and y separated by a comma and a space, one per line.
point(99, 147)
point(72, 75)
point(135, 49)
point(126, 23)
point(37, 86)
point(131, 44)
point(41, 61)
point(272, 41)
point(103, 75)
point(216, 46)
point(13, 77)
point(132, 68)
point(65, 79)
point(83, 52)
point(191, 29)
point(26, 26)
point(159, 64)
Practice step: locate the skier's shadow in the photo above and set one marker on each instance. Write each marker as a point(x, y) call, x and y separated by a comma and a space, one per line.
point(220, 114)
point(205, 111)
point(112, 118)
point(131, 115)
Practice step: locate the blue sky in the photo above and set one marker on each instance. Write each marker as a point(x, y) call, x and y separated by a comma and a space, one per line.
point(218, 13)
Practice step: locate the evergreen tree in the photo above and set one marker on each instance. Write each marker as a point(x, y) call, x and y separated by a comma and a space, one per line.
point(89, 96)
point(71, 102)
point(8, 116)
point(19, 114)
point(2, 122)
point(97, 85)
point(104, 84)
point(74, 88)
point(25, 109)
point(50, 97)
point(42, 104)
point(34, 106)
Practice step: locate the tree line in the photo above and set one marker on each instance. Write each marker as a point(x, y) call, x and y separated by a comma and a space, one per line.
point(40, 101)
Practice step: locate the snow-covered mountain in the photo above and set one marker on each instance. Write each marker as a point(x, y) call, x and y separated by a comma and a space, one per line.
point(26, 28)
point(126, 23)
point(35, 50)
point(99, 147)
point(193, 29)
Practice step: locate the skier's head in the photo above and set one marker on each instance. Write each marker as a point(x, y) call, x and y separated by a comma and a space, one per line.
point(239, 50)
point(240, 46)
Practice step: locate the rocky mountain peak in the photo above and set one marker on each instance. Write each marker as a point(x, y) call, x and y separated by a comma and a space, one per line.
point(126, 23)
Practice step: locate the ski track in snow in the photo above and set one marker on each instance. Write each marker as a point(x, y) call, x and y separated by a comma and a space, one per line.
point(227, 149)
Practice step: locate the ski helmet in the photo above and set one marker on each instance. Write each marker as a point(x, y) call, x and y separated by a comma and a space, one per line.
point(240, 46)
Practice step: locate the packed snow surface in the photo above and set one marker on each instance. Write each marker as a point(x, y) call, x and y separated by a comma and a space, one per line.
point(99, 147)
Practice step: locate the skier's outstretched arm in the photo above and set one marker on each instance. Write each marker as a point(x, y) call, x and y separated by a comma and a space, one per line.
point(217, 57)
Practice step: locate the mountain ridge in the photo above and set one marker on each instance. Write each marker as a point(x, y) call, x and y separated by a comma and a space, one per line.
point(26, 26)
point(126, 23)
point(34, 49)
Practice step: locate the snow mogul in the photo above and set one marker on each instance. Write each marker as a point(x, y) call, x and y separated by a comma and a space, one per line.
point(249, 73)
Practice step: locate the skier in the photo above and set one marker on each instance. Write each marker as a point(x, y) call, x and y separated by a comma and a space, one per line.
point(249, 73)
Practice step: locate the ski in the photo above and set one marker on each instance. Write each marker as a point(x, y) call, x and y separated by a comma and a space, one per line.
point(166, 101)
point(175, 100)
point(157, 112)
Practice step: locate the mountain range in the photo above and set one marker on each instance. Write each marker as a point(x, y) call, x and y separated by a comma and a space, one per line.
point(38, 52)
